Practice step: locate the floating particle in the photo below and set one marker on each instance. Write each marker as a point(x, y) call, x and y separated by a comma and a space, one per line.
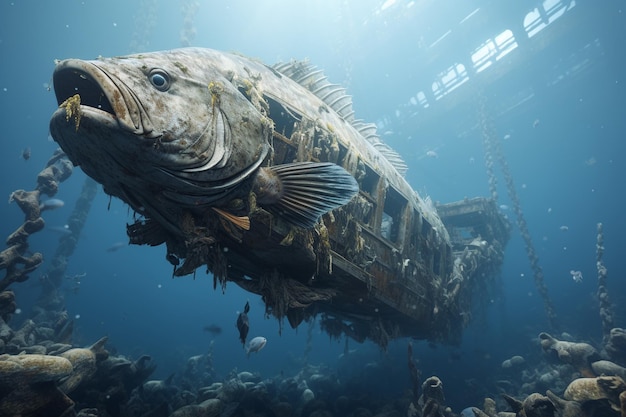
point(564, 228)
point(159, 286)
point(77, 316)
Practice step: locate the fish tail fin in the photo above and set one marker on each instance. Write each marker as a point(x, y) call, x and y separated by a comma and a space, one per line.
point(310, 189)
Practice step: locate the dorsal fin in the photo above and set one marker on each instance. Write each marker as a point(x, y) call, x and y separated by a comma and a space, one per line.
point(335, 97)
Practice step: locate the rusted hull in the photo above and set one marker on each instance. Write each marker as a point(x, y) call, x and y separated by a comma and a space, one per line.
point(366, 279)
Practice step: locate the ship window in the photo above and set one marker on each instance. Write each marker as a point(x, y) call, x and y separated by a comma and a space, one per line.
point(493, 50)
point(369, 183)
point(392, 215)
point(284, 119)
point(426, 228)
point(464, 234)
point(386, 225)
point(437, 262)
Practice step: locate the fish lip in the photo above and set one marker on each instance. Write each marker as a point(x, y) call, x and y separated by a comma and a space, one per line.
point(103, 92)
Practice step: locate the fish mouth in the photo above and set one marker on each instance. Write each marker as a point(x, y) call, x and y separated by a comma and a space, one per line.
point(102, 94)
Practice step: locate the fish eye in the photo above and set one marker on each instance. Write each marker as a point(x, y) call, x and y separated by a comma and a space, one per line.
point(159, 79)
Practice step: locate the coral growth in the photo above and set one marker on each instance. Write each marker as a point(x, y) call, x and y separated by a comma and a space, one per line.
point(579, 355)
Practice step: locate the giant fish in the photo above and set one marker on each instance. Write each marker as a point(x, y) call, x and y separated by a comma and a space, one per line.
point(172, 130)
point(261, 173)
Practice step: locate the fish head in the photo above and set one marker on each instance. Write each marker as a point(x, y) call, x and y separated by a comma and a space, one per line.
point(159, 130)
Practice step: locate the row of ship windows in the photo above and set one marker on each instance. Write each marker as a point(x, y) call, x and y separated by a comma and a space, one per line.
point(492, 50)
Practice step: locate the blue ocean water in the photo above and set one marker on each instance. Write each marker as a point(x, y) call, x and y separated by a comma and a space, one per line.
point(557, 101)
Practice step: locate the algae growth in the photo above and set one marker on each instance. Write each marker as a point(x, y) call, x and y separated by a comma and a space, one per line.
point(72, 109)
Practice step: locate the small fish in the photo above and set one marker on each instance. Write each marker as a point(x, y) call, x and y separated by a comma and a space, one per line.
point(564, 228)
point(214, 329)
point(256, 344)
point(117, 245)
point(51, 204)
point(26, 153)
point(64, 230)
point(243, 325)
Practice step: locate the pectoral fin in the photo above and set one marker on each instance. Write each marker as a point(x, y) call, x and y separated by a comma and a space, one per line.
point(242, 222)
point(302, 192)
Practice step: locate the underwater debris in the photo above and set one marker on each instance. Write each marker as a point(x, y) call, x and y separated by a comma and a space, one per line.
point(577, 276)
